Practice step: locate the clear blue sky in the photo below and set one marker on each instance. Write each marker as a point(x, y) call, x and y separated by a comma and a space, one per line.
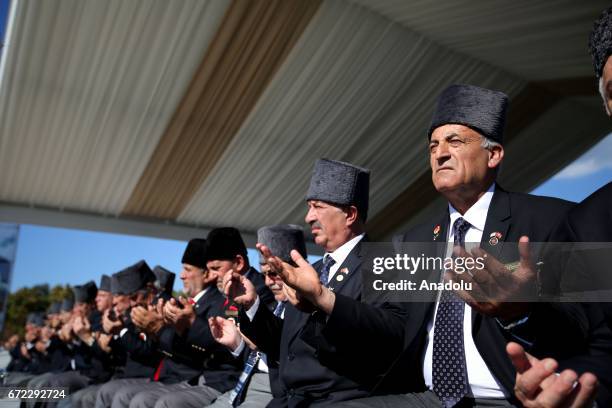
point(60, 256)
point(4, 6)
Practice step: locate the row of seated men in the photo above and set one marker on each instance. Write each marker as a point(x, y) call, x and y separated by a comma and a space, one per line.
point(312, 330)
point(128, 342)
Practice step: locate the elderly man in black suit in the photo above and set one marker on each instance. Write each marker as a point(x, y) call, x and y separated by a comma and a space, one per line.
point(337, 210)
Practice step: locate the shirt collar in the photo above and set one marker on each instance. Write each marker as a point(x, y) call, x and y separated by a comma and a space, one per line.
point(476, 215)
point(200, 294)
point(341, 253)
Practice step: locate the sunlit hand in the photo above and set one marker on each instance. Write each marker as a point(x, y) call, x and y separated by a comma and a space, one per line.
point(239, 289)
point(538, 386)
point(149, 319)
point(496, 290)
point(225, 332)
point(308, 292)
point(104, 342)
point(111, 327)
point(179, 313)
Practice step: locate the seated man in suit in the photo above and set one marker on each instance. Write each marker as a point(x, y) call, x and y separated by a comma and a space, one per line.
point(337, 211)
point(589, 221)
point(454, 347)
point(227, 252)
point(259, 382)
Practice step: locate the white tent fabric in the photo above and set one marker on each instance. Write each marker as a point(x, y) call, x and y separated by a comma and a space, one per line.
point(534, 39)
point(88, 90)
point(357, 88)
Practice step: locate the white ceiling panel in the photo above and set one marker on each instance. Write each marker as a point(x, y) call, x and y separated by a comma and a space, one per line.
point(356, 87)
point(88, 89)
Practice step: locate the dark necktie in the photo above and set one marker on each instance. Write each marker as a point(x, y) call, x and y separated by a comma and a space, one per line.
point(449, 374)
point(328, 262)
point(249, 366)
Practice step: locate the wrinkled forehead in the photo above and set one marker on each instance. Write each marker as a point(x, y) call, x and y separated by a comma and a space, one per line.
point(452, 129)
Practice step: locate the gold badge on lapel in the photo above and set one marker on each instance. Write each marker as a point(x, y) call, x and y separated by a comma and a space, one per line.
point(436, 232)
point(341, 273)
point(494, 238)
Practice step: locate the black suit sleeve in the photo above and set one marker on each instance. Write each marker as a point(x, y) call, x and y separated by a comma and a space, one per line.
point(265, 330)
point(354, 326)
point(140, 350)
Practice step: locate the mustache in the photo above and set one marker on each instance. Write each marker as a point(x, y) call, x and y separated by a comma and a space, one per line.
point(276, 287)
point(316, 224)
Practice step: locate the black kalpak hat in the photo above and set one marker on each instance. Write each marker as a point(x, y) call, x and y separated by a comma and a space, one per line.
point(67, 305)
point(224, 244)
point(480, 109)
point(85, 293)
point(36, 318)
point(105, 283)
point(165, 279)
point(195, 253)
point(132, 279)
point(281, 239)
point(54, 308)
point(340, 183)
point(600, 41)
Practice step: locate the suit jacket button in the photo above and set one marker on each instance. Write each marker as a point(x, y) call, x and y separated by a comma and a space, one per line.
point(291, 357)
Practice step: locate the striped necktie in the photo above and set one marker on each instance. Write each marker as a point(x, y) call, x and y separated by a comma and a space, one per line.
point(328, 262)
point(249, 367)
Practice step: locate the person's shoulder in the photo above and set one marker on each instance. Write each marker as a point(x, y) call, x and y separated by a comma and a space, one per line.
point(419, 232)
point(602, 198)
point(538, 204)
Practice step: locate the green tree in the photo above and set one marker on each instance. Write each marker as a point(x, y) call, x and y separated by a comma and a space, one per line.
point(28, 300)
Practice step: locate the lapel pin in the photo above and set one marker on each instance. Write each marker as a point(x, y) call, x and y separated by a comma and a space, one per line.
point(436, 232)
point(344, 270)
point(339, 278)
point(494, 238)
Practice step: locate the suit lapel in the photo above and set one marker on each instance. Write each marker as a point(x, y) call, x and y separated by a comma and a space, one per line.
point(497, 224)
point(422, 311)
point(348, 269)
point(199, 307)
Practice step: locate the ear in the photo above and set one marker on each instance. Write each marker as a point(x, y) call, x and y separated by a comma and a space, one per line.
point(496, 155)
point(239, 263)
point(208, 277)
point(352, 215)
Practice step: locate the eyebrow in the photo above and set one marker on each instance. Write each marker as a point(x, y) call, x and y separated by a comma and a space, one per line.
point(446, 137)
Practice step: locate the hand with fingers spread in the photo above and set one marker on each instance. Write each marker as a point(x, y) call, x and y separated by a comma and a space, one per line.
point(65, 333)
point(109, 325)
point(149, 320)
point(305, 289)
point(179, 313)
point(82, 328)
point(496, 290)
point(239, 289)
point(225, 332)
point(104, 342)
point(24, 351)
point(538, 386)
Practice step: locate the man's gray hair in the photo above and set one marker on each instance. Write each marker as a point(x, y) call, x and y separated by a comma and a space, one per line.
point(602, 91)
point(488, 144)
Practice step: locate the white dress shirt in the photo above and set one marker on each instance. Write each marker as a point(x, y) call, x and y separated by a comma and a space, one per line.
point(483, 383)
point(340, 255)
